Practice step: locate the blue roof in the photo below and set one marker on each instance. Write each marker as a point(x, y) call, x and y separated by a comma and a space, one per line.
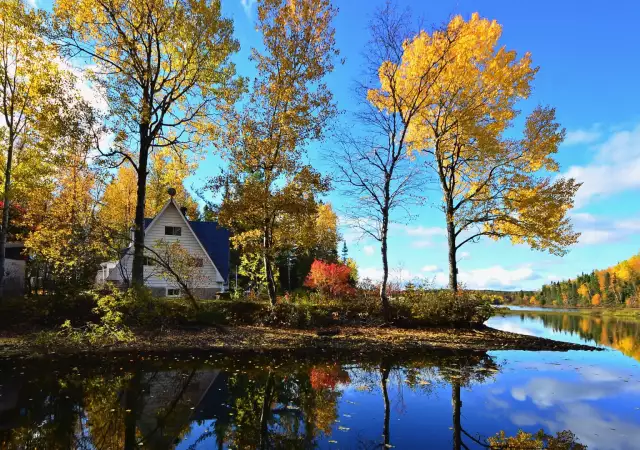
point(215, 240)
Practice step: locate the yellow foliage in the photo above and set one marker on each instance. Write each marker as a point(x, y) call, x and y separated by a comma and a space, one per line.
point(596, 299)
point(583, 291)
point(467, 87)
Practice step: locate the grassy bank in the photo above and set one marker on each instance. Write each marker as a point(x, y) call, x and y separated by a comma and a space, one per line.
point(134, 321)
point(240, 339)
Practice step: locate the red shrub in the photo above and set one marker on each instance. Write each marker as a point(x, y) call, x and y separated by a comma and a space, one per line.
point(329, 278)
point(328, 377)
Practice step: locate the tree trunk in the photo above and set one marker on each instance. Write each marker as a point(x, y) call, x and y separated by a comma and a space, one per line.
point(4, 228)
point(271, 283)
point(131, 394)
point(384, 298)
point(384, 371)
point(453, 264)
point(137, 271)
point(457, 405)
point(265, 413)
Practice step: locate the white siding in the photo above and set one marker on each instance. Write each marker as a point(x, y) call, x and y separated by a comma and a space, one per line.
point(171, 216)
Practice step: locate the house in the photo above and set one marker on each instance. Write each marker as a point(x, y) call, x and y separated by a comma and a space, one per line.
point(15, 267)
point(206, 242)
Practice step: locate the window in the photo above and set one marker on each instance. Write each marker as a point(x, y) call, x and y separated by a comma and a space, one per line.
point(198, 262)
point(149, 261)
point(172, 292)
point(172, 231)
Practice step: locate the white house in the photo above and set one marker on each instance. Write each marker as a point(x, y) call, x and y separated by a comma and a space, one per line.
point(206, 242)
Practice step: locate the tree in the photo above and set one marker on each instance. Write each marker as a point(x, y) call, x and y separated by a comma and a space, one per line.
point(179, 266)
point(163, 66)
point(329, 278)
point(270, 194)
point(32, 90)
point(345, 251)
point(374, 168)
point(66, 246)
point(492, 185)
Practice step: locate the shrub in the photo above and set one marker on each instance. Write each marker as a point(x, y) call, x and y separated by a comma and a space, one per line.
point(330, 279)
point(442, 308)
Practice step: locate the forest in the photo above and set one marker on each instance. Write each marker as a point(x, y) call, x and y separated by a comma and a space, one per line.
point(616, 286)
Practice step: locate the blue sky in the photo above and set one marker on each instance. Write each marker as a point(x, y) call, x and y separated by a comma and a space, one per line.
point(589, 58)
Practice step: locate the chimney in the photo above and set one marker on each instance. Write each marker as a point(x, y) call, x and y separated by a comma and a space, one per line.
point(133, 232)
point(183, 210)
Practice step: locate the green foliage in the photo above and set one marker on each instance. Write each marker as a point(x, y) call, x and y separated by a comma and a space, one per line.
point(442, 308)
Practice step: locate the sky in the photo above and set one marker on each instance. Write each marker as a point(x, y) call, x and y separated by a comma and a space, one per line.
point(589, 58)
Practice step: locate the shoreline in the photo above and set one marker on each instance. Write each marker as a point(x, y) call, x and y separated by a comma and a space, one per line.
point(268, 340)
point(629, 313)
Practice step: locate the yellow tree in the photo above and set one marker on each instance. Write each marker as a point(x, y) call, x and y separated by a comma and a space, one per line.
point(35, 99)
point(269, 189)
point(163, 66)
point(492, 185)
point(374, 168)
point(67, 243)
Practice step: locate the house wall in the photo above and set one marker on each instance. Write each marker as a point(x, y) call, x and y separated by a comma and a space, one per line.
point(171, 216)
point(14, 281)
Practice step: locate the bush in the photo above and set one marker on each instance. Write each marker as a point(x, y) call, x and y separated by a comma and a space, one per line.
point(332, 279)
point(442, 308)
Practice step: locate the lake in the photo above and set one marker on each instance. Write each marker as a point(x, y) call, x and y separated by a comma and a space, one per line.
point(431, 400)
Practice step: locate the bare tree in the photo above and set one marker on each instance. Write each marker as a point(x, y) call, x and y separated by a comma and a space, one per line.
point(375, 168)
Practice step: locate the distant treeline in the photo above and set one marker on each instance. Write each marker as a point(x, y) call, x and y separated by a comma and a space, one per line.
point(614, 287)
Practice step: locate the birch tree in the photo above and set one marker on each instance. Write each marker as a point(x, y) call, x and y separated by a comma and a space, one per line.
point(163, 66)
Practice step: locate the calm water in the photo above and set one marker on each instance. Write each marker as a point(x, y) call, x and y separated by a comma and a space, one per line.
point(433, 400)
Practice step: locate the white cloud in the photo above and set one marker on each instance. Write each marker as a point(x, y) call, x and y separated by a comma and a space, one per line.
point(430, 268)
point(464, 255)
point(577, 137)
point(247, 5)
point(421, 231)
point(33, 3)
point(421, 244)
point(369, 250)
point(601, 230)
point(615, 168)
point(495, 277)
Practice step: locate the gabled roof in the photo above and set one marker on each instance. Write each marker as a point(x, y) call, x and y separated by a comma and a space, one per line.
point(215, 240)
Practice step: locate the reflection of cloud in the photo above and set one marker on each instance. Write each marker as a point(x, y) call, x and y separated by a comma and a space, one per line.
point(548, 392)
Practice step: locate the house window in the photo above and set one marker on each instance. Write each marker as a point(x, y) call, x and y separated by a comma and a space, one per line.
point(198, 262)
point(172, 292)
point(149, 261)
point(173, 231)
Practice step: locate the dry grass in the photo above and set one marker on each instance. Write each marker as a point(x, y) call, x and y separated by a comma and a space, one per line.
point(266, 339)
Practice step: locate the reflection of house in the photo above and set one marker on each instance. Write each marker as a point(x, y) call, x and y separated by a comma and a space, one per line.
point(206, 242)
point(173, 400)
point(15, 267)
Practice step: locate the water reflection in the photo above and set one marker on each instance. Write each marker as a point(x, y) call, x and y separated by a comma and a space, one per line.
point(617, 333)
point(192, 402)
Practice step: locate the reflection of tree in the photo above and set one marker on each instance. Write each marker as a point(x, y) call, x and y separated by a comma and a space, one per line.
point(262, 404)
point(385, 368)
point(621, 334)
